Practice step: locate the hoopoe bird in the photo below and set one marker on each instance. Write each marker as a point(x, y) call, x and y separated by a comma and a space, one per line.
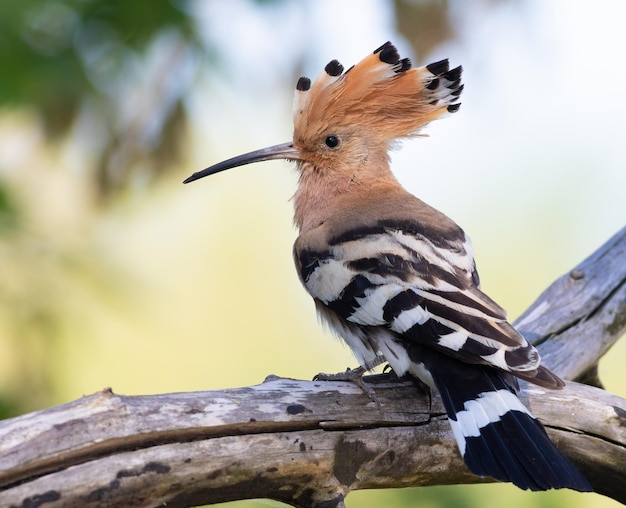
point(395, 278)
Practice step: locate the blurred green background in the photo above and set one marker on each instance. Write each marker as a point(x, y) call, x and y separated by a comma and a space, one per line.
point(115, 274)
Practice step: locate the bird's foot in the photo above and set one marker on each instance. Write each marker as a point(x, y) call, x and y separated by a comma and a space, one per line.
point(352, 376)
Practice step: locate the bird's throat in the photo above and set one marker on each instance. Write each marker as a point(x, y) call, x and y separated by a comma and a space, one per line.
point(322, 194)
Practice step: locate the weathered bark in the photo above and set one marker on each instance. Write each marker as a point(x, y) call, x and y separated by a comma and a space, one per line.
point(310, 443)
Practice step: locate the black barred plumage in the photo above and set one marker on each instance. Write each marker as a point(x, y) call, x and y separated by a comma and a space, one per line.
point(395, 278)
point(419, 290)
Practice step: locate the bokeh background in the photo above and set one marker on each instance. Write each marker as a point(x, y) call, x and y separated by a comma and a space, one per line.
point(114, 274)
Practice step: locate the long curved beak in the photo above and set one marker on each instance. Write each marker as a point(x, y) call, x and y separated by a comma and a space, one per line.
point(283, 151)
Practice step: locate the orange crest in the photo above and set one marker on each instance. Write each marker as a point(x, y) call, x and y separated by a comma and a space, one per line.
point(382, 92)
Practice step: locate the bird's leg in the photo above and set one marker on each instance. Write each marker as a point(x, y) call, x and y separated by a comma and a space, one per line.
point(352, 376)
point(355, 376)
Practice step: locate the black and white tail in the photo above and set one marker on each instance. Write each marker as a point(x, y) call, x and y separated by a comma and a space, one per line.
point(496, 434)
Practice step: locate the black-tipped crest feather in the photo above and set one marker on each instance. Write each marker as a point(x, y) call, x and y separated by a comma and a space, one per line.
point(303, 84)
point(333, 68)
point(439, 67)
point(388, 54)
point(382, 92)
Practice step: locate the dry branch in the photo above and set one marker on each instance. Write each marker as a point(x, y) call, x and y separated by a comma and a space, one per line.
point(310, 443)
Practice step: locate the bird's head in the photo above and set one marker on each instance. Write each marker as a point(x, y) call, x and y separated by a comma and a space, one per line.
point(350, 119)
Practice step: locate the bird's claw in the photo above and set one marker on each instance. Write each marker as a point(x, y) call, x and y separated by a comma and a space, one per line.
point(351, 376)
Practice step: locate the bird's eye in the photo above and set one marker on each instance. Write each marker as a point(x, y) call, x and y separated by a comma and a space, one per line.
point(332, 141)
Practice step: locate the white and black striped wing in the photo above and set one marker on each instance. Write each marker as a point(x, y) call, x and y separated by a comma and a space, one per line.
point(392, 277)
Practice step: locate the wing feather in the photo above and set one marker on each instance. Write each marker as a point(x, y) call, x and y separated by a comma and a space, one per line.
point(418, 290)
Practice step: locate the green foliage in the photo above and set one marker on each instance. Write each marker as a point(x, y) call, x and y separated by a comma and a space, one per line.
point(72, 59)
point(8, 211)
point(49, 49)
